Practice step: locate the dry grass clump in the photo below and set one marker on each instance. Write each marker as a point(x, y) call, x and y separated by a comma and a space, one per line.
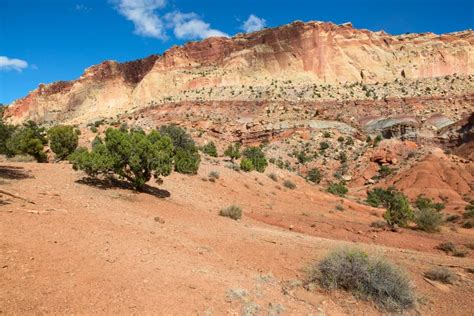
point(366, 277)
point(441, 274)
point(233, 211)
point(289, 184)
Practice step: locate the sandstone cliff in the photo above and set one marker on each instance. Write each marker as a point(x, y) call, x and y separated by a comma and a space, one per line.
point(297, 54)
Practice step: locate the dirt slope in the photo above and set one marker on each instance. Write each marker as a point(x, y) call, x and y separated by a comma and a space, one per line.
point(67, 246)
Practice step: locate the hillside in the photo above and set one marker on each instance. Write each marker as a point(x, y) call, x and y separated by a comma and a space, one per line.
point(313, 61)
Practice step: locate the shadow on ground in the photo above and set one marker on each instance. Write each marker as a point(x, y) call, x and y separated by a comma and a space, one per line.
point(112, 183)
point(14, 173)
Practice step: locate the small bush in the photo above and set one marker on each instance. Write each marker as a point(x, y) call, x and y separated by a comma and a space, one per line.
point(323, 146)
point(289, 184)
point(233, 211)
point(369, 278)
point(425, 203)
point(233, 151)
point(469, 223)
point(379, 224)
point(63, 140)
point(441, 274)
point(337, 189)
point(93, 129)
point(257, 157)
point(213, 175)
point(460, 251)
point(314, 175)
point(246, 165)
point(273, 176)
point(428, 219)
point(210, 149)
point(446, 246)
point(399, 211)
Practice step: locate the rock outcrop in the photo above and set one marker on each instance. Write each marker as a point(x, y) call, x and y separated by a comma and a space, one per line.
point(298, 53)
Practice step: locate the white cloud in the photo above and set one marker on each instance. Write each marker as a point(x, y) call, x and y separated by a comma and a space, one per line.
point(12, 64)
point(142, 14)
point(253, 24)
point(82, 7)
point(190, 26)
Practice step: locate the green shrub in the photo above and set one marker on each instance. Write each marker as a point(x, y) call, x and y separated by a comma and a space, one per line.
point(133, 156)
point(186, 162)
point(210, 149)
point(93, 129)
point(377, 140)
point(323, 145)
point(233, 211)
point(186, 156)
point(342, 157)
point(428, 219)
point(314, 175)
point(337, 189)
point(28, 140)
point(289, 184)
point(366, 277)
point(63, 140)
point(349, 141)
point(6, 131)
point(425, 203)
point(246, 165)
point(399, 211)
point(384, 171)
point(398, 208)
point(326, 134)
point(257, 157)
point(233, 151)
point(340, 139)
point(441, 274)
point(469, 210)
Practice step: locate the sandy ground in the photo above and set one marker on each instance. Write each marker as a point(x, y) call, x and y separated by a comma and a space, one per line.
point(72, 247)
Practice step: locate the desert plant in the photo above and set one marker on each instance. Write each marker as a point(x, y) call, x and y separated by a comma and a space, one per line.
point(446, 246)
point(257, 157)
point(314, 175)
point(28, 140)
point(233, 211)
point(63, 140)
point(460, 251)
point(186, 156)
point(210, 149)
point(246, 165)
point(6, 131)
point(213, 175)
point(289, 184)
point(323, 146)
point(380, 224)
point(366, 277)
point(441, 274)
point(273, 176)
point(233, 151)
point(428, 216)
point(399, 210)
point(337, 189)
point(131, 155)
point(468, 223)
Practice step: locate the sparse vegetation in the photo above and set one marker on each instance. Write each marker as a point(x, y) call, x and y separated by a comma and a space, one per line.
point(210, 149)
point(314, 175)
point(441, 274)
point(273, 176)
point(369, 278)
point(447, 246)
point(213, 175)
point(428, 216)
point(63, 140)
point(233, 151)
point(257, 158)
point(289, 184)
point(337, 189)
point(233, 211)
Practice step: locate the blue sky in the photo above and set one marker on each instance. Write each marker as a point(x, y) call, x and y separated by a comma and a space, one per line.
point(42, 41)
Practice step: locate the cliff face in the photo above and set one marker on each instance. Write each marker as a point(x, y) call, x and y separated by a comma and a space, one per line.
point(302, 53)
